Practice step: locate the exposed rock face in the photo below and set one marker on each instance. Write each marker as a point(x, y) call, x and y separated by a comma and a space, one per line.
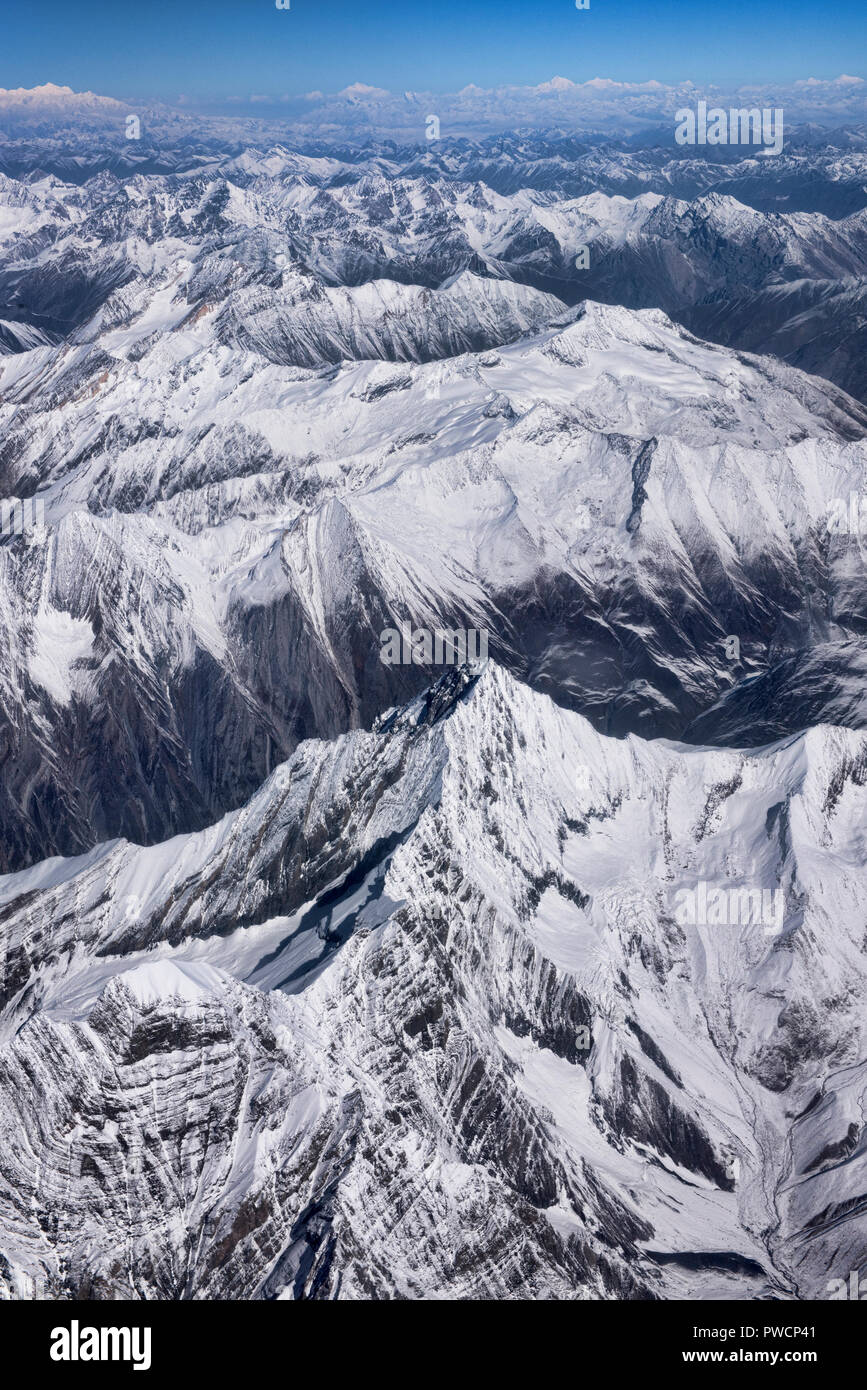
point(424, 1019)
point(274, 407)
point(225, 540)
point(326, 977)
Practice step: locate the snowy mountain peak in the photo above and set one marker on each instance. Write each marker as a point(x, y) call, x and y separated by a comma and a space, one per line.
point(510, 912)
point(328, 968)
point(49, 94)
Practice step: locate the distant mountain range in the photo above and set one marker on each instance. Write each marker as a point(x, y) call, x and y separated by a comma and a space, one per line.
point(601, 106)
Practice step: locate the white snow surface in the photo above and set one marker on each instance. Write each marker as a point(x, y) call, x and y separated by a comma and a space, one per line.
point(566, 851)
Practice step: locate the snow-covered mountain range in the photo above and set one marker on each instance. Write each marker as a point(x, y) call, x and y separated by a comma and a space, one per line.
point(327, 977)
point(600, 106)
point(420, 1021)
point(768, 262)
point(609, 497)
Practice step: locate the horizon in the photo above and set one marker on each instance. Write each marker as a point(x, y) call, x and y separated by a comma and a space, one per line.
point(359, 90)
point(597, 109)
point(229, 52)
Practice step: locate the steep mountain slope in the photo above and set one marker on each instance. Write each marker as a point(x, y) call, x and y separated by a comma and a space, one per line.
point(301, 324)
point(818, 325)
point(424, 1019)
point(297, 254)
point(325, 977)
point(591, 496)
point(225, 540)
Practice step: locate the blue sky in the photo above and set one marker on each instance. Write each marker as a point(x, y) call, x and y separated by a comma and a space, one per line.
point(219, 48)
